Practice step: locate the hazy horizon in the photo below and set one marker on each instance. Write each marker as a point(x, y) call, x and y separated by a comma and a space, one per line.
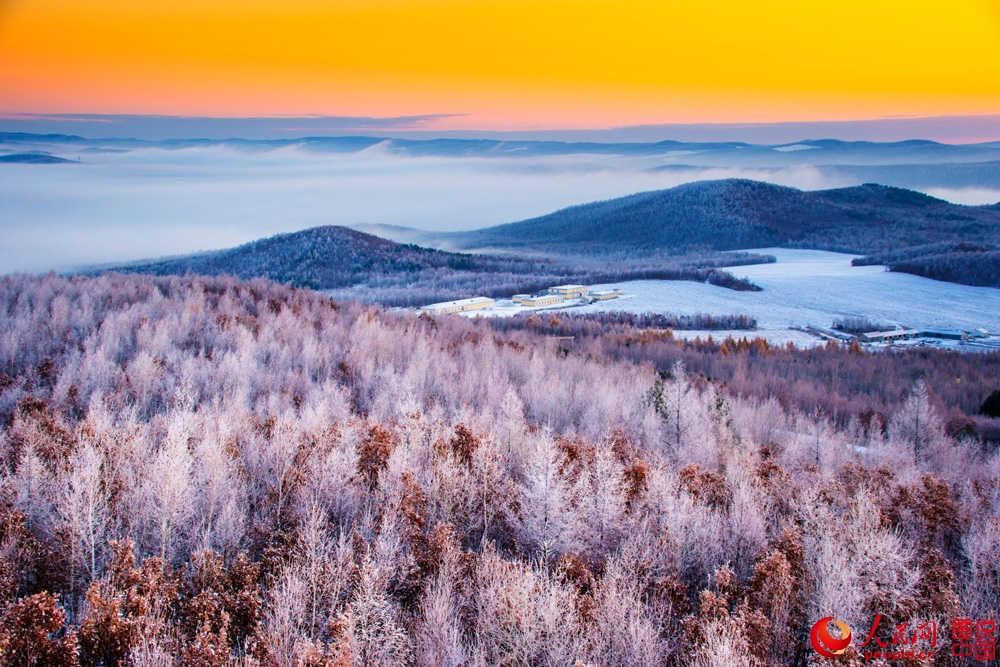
point(153, 201)
point(955, 129)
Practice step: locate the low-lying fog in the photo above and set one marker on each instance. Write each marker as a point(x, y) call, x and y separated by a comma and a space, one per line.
point(119, 206)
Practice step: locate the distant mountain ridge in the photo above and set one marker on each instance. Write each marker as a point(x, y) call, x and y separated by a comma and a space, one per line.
point(737, 214)
point(702, 153)
point(914, 164)
point(32, 158)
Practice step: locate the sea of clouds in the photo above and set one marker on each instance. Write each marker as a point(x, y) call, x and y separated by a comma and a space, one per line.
point(150, 202)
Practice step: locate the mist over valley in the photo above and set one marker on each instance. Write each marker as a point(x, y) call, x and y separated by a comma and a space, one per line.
point(121, 200)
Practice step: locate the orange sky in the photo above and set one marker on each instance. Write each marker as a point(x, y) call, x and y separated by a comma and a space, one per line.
point(508, 64)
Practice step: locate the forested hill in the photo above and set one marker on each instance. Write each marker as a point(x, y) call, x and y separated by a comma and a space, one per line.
point(321, 258)
point(368, 268)
point(733, 214)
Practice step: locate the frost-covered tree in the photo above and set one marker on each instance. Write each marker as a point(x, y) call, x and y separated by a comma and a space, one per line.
point(166, 495)
point(83, 508)
point(683, 410)
point(545, 499)
point(374, 632)
point(916, 424)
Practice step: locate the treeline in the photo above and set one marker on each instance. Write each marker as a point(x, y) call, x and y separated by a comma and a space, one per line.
point(206, 471)
point(981, 268)
point(843, 383)
point(859, 325)
point(966, 263)
point(597, 324)
point(916, 252)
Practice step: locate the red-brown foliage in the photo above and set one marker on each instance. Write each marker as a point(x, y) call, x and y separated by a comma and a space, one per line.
point(33, 632)
point(706, 486)
point(373, 454)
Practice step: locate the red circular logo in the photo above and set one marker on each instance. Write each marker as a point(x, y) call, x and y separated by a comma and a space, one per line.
point(825, 643)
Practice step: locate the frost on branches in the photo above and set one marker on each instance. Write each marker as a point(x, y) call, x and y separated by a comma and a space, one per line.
point(208, 471)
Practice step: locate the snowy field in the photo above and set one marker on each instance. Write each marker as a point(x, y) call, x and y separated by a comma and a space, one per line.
point(810, 287)
point(817, 287)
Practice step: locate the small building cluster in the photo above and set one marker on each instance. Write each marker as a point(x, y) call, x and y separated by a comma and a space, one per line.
point(911, 334)
point(560, 293)
point(889, 336)
point(901, 335)
point(550, 297)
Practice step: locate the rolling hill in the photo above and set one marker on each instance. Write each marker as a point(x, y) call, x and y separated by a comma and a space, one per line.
point(322, 258)
point(737, 214)
point(361, 266)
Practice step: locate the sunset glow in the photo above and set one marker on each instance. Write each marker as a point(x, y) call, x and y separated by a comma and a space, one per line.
point(511, 64)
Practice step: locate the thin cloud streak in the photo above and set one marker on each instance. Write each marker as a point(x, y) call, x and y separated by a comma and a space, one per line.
point(157, 127)
point(947, 129)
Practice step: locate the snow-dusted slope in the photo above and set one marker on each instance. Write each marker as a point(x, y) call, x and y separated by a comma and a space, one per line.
point(816, 287)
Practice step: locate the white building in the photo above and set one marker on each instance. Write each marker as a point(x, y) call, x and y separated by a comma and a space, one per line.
point(569, 291)
point(542, 300)
point(604, 295)
point(474, 303)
